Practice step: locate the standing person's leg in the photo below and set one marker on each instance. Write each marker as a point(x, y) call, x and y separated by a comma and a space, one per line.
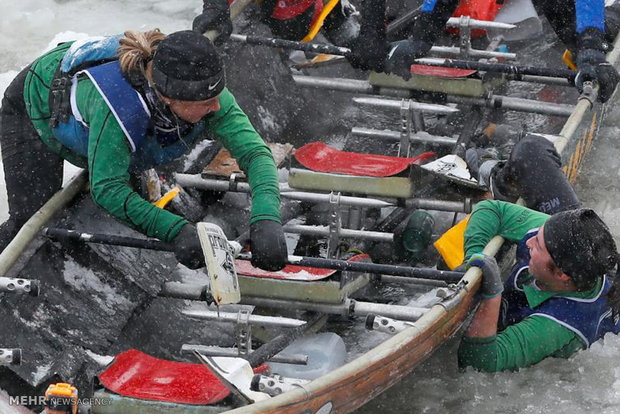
point(32, 171)
point(342, 25)
point(534, 168)
point(562, 17)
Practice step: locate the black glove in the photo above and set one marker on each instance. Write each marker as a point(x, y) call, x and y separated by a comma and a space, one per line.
point(368, 50)
point(268, 245)
point(592, 66)
point(215, 16)
point(187, 248)
point(492, 284)
point(402, 54)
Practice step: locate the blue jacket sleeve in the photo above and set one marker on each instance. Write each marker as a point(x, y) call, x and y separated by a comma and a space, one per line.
point(590, 13)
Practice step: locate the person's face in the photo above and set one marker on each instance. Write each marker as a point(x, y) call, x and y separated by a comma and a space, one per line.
point(541, 264)
point(193, 111)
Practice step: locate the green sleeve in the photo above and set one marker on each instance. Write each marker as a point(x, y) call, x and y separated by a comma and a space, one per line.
point(523, 344)
point(490, 218)
point(109, 157)
point(231, 126)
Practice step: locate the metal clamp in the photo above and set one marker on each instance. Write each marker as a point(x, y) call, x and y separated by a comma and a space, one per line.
point(233, 180)
point(10, 356)
point(243, 331)
point(589, 92)
point(386, 325)
point(11, 285)
point(406, 128)
point(275, 384)
point(334, 227)
point(464, 36)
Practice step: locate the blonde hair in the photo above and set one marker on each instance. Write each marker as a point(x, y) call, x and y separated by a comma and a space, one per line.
point(136, 51)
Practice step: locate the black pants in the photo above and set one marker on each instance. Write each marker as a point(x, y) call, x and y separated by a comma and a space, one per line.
point(298, 27)
point(534, 168)
point(562, 17)
point(32, 171)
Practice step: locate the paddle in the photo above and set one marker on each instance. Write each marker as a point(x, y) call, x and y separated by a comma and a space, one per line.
point(421, 273)
point(517, 70)
point(218, 251)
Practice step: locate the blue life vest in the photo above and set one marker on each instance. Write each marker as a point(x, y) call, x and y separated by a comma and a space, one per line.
point(590, 319)
point(126, 104)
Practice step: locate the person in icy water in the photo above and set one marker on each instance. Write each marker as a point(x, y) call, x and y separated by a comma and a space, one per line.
point(559, 297)
point(288, 19)
point(155, 97)
point(580, 24)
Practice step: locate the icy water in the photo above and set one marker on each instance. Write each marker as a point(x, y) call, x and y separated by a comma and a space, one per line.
point(587, 382)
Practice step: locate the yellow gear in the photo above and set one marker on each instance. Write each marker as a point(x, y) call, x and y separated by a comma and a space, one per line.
point(66, 393)
point(451, 245)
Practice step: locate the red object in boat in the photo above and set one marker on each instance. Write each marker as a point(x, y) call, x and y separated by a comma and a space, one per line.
point(441, 72)
point(318, 156)
point(476, 9)
point(290, 272)
point(135, 374)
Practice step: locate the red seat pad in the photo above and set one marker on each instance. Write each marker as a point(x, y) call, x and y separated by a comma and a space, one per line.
point(290, 272)
point(440, 71)
point(135, 374)
point(317, 156)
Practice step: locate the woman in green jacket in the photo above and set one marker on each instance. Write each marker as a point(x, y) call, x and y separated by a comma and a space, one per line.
point(120, 105)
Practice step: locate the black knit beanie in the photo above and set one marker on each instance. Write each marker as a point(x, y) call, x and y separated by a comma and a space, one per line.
point(187, 67)
point(581, 245)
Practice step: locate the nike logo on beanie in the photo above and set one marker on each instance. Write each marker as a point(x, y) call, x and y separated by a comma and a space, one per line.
point(213, 86)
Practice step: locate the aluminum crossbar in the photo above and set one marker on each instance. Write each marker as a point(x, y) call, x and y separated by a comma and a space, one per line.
point(195, 180)
point(480, 24)
point(253, 319)
point(420, 137)
point(413, 105)
point(323, 231)
point(295, 359)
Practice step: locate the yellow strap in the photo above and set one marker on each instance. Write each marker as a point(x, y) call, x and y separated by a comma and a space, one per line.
point(166, 198)
point(451, 245)
point(567, 57)
point(319, 22)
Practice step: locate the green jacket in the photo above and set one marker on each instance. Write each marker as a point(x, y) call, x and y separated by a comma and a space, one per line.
point(109, 152)
point(535, 337)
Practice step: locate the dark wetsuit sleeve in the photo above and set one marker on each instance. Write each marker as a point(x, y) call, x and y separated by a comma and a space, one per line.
point(431, 23)
point(109, 157)
point(525, 343)
point(232, 127)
